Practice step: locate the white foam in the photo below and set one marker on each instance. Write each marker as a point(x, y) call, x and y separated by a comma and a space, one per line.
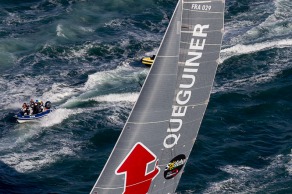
point(24, 90)
point(20, 148)
point(62, 113)
point(80, 52)
point(33, 161)
point(247, 49)
point(240, 180)
point(55, 2)
point(121, 73)
point(115, 119)
point(245, 179)
point(25, 153)
point(289, 164)
point(283, 9)
point(110, 98)
point(59, 92)
point(114, 23)
point(58, 116)
point(13, 18)
point(59, 31)
point(276, 25)
point(127, 97)
point(97, 78)
point(21, 88)
point(86, 29)
point(95, 81)
point(153, 52)
point(17, 137)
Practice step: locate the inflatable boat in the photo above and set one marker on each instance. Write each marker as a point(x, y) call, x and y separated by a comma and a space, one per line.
point(24, 116)
point(30, 118)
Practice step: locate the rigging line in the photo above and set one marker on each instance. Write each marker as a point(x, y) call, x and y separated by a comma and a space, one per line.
point(140, 84)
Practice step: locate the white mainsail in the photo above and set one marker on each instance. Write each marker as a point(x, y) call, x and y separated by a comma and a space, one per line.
point(153, 148)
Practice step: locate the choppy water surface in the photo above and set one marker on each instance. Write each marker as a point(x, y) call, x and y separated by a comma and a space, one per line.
point(83, 55)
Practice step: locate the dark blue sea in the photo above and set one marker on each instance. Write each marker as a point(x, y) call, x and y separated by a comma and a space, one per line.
point(84, 56)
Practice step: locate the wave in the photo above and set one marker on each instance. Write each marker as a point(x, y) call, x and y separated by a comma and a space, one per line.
point(247, 49)
point(283, 9)
point(246, 179)
point(24, 138)
point(19, 88)
point(124, 73)
point(23, 87)
point(275, 26)
point(127, 97)
point(60, 30)
point(110, 98)
point(268, 21)
point(27, 149)
point(58, 116)
point(59, 92)
point(6, 60)
point(35, 160)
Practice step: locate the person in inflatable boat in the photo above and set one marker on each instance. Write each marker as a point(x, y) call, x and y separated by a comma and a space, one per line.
point(25, 109)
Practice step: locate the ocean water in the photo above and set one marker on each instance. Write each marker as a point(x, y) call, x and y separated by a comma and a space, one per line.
point(84, 56)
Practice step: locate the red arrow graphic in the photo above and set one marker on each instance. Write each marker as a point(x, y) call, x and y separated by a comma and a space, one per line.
point(134, 166)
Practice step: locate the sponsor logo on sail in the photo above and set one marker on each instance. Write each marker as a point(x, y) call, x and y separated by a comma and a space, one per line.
point(135, 168)
point(174, 166)
point(187, 81)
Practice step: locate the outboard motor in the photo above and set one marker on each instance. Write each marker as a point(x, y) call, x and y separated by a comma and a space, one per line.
point(48, 105)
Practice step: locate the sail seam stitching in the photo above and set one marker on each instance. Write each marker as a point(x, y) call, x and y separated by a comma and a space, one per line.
point(202, 11)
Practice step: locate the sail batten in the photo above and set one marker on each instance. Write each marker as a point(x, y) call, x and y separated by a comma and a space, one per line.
point(157, 139)
point(167, 56)
point(163, 121)
point(191, 32)
point(182, 63)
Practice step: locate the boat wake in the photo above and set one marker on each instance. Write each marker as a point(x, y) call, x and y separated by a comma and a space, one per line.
point(253, 48)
